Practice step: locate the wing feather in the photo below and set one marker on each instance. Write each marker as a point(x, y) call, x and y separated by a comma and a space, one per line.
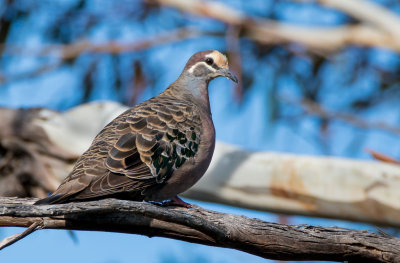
point(139, 149)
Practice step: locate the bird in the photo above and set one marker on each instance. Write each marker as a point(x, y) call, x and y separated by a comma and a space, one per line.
point(154, 150)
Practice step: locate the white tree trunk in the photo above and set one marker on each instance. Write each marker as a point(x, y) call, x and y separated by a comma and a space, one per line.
point(366, 191)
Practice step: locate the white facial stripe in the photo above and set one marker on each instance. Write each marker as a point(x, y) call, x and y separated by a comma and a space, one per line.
point(191, 69)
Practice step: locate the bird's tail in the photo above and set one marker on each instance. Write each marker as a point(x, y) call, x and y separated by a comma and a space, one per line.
point(52, 199)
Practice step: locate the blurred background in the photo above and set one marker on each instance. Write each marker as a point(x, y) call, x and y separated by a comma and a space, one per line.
point(316, 77)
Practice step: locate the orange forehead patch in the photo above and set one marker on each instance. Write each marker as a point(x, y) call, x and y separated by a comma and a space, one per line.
point(219, 59)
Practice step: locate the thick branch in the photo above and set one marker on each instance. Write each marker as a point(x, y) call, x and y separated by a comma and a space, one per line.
point(268, 240)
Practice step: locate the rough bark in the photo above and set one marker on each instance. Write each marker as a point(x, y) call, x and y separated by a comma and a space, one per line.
point(197, 225)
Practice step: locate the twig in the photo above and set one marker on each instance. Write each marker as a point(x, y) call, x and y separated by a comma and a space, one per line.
point(29, 75)
point(14, 238)
point(197, 225)
point(382, 157)
point(316, 109)
point(74, 50)
point(71, 51)
point(233, 49)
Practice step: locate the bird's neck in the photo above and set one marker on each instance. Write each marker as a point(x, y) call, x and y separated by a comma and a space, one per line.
point(191, 89)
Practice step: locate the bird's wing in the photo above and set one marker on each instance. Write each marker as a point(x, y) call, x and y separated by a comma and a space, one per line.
point(148, 144)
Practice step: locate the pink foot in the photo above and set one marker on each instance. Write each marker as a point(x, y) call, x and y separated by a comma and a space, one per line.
point(179, 202)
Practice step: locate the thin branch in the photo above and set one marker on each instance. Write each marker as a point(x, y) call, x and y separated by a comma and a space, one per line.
point(268, 240)
point(233, 49)
point(271, 32)
point(14, 238)
point(316, 109)
point(74, 50)
point(382, 157)
point(46, 68)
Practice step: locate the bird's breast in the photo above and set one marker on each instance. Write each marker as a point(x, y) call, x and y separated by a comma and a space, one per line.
point(188, 174)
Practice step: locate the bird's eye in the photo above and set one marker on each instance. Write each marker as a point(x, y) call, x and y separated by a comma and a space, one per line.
point(209, 61)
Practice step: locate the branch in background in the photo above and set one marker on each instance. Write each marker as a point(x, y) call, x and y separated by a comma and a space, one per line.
point(382, 157)
point(265, 31)
point(30, 164)
point(139, 83)
point(71, 51)
point(74, 50)
point(313, 108)
point(198, 225)
point(318, 39)
point(368, 12)
point(46, 68)
point(340, 188)
point(235, 61)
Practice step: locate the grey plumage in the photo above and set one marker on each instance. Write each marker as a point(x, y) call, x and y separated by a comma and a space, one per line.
point(156, 149)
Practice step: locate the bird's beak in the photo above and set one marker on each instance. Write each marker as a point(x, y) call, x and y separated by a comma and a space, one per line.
point(227, 74)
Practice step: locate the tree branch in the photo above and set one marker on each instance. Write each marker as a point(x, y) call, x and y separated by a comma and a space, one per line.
point(14, 238)
point(313, 108)
point(71, 51)
point(326, 39)
point(197, 225)
point(369, 13)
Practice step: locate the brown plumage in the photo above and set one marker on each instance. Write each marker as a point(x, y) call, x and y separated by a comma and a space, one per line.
point(156, 149)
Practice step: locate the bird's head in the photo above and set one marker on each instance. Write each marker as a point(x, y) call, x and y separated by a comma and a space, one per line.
point(208, 65)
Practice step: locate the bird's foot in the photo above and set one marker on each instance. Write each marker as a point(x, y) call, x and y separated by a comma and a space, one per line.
point(175, 201)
